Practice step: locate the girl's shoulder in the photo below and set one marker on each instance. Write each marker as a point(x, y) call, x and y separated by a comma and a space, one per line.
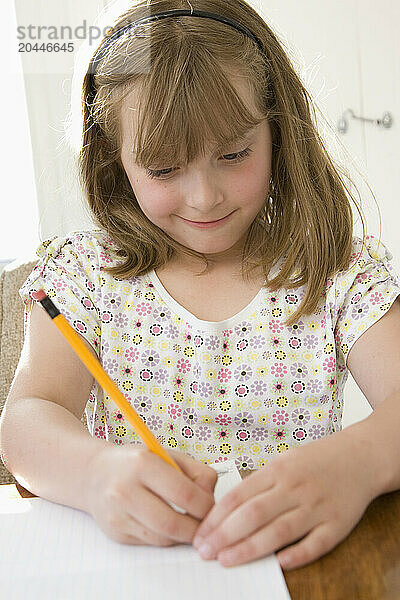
point(90, 247)
point(368, 253)
point(371, 248)
point(370, 265)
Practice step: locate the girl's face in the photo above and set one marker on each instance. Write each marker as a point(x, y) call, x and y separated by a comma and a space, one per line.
point(234, 184)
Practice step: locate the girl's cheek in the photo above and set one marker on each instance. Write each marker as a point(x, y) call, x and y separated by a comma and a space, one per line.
point(164, 206)
point(156, 203)
point(159, 208)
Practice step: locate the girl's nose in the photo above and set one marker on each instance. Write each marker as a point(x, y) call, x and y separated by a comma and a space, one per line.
point(203, 196)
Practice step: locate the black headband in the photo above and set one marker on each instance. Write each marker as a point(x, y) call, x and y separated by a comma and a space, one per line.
point(110, 39)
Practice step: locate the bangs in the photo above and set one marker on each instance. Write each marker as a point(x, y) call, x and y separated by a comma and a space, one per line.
point(199, 107)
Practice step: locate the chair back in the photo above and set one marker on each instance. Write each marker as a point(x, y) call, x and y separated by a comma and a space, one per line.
point(11, 332)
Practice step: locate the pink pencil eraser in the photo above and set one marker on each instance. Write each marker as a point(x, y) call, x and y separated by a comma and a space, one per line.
point(39, 295)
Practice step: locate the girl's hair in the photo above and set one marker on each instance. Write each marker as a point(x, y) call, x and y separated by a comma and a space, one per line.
point(181, 67)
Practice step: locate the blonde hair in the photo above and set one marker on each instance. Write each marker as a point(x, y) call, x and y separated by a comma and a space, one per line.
point(186, 98)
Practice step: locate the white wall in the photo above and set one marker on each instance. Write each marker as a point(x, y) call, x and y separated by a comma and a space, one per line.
point(19, 233)
point(48, 81)
point(347, 52)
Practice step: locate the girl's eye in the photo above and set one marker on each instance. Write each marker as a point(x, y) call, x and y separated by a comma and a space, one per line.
point(237, 157)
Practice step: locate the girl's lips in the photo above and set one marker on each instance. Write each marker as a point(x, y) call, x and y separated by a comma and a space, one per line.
point(202, 225)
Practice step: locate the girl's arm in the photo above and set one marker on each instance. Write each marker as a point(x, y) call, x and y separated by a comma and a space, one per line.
point(48, 450)
point(43, 442)
point(374, 362)
point(379, 434)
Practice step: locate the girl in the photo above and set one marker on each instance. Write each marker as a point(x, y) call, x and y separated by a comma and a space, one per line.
point(198, 148)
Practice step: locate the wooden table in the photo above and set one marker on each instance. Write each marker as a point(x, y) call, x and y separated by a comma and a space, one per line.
point(365, 566)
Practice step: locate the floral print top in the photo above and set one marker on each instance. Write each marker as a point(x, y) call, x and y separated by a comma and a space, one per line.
point(246, 388)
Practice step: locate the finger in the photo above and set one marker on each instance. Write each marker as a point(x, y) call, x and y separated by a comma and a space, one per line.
point(120, 525)
point(130, 531)
point(288, 528)
point(245, 520)
point(250, 487)
point(203, 475)
point(173, 486)
point(158, 518)
point(317, 543)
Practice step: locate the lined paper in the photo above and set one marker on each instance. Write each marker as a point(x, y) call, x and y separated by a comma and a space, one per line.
point(50, 551)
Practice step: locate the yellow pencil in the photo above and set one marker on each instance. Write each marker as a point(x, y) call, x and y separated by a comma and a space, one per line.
point(104, 380)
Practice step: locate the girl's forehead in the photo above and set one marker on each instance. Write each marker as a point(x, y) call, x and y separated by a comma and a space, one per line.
point(130, 107)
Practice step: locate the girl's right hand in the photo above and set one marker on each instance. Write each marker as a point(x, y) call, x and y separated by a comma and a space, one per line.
point(128, 490)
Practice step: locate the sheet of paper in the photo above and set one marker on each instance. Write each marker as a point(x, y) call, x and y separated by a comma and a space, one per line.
point(50, 551)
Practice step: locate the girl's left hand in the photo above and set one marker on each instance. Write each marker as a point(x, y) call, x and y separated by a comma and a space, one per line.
point(316, 494)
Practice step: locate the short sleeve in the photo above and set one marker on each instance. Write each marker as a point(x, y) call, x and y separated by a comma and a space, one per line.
point(68, 272)
point(363, 293)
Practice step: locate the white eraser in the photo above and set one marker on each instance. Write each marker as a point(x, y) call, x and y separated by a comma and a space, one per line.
point(222, 468)
point(177, 508)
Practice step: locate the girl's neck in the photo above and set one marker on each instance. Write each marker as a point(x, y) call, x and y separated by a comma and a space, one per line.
point(222, 271)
